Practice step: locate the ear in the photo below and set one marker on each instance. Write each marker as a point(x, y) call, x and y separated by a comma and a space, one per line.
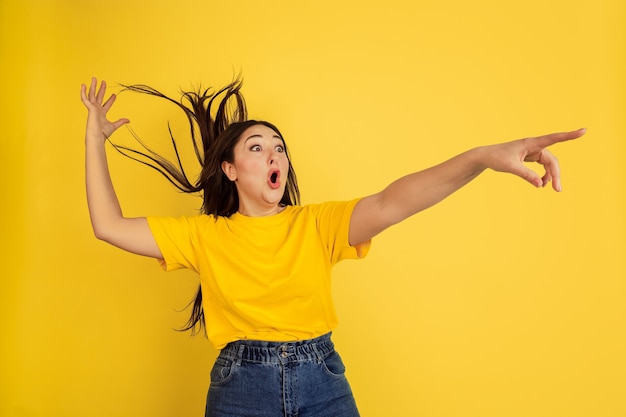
point(229, 170)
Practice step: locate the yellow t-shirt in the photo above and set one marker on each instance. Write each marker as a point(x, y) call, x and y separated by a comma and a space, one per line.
point(262, 278)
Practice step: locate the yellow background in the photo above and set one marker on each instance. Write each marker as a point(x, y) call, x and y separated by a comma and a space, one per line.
point(503, 300)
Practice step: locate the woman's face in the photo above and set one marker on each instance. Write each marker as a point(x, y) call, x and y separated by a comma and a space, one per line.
point(259, 170)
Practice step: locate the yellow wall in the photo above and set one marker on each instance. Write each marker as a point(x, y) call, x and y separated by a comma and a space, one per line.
point(502, 301)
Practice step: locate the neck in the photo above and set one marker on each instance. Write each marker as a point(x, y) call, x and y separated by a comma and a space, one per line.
point(260, 211)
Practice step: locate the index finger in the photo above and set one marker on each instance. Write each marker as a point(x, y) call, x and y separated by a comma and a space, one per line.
point(548, 140)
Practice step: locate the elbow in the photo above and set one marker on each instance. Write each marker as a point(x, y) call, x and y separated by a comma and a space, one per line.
point(389, 212)
point(100, 234)
point(106, 227)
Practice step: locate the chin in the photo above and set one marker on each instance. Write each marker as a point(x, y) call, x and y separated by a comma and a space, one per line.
point(274, 197)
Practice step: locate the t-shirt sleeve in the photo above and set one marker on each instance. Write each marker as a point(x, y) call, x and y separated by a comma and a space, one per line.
point(175, 237)
point(333, 223)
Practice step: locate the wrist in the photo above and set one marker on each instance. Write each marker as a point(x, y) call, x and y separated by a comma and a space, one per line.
point(96, 136)
point(479, 158)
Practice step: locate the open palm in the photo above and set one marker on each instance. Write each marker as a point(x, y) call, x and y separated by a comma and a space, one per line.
point(97, 122)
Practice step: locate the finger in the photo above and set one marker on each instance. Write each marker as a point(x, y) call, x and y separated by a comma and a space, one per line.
point(527, 174)
point(101, 91)
point(107, 105)
point(551, 139)
point(546, 179)
point(83, 93)
point(114, 126)
point(120, 122)
point(92, 89)
point(553, 170)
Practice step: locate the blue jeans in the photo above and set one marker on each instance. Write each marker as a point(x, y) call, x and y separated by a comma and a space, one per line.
point(278, 379)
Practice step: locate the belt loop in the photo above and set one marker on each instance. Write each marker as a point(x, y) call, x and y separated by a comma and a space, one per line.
point(318, 356)
point(239, 357)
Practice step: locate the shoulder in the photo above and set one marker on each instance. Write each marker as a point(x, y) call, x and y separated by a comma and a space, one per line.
point(332, 207)
point(183, 222)
point(330, 212)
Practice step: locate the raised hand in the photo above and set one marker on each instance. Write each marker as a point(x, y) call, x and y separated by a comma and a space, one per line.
point(510, 157)
point(109, 224)
point(98, 126)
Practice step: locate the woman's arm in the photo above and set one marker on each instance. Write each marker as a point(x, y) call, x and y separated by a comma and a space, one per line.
point(107, 220)
point(418, 191)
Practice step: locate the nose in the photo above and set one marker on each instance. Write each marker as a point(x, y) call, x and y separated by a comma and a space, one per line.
point(273, 158)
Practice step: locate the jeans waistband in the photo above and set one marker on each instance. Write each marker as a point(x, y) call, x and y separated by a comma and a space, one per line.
point(279, 352)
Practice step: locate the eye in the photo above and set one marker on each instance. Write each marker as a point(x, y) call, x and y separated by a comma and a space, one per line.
point(280, 148)
point(255, 148)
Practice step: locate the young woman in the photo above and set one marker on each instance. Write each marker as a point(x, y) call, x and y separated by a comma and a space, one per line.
point(264, 261)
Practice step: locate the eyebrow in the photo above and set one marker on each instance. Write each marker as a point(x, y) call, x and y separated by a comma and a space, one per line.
point(256, 135)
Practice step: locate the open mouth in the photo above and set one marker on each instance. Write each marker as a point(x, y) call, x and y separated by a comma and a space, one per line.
point(274, 179)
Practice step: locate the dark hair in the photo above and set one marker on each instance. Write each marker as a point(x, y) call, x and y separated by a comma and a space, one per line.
point(219, 132)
